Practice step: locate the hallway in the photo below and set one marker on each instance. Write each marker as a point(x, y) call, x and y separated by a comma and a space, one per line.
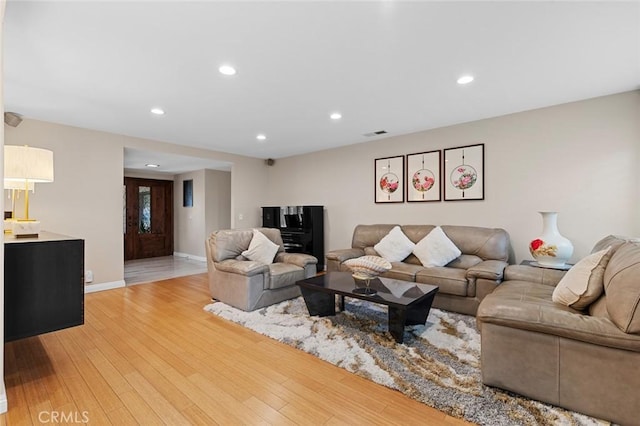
point(141, 271)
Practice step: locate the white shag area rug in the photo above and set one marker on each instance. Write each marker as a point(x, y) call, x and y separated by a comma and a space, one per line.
point(438, 363)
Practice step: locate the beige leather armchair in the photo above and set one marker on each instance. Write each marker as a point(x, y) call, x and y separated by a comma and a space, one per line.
point(247, 284)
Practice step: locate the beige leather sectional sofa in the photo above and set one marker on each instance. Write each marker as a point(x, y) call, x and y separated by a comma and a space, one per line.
point(587, 361)
point(463, 283)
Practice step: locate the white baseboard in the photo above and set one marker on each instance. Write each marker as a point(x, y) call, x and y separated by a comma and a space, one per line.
point(190, 256)
point(92, 288)
point(4, 406)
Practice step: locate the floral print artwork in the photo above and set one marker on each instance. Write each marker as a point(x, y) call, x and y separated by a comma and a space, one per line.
point(424, 176)
point(389, 183)
point(423, 180)
point(389, 188)
point(464, 169)
point(464, 177)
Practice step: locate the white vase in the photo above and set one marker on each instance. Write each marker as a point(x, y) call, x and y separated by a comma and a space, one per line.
point(550, 248)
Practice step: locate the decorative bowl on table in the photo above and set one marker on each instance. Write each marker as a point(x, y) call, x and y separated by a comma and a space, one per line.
point(365, 268)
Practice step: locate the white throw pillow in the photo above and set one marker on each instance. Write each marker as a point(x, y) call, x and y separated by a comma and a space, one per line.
point(395, 246)
point(436, 249)
point(261, 248)
point(583, 283)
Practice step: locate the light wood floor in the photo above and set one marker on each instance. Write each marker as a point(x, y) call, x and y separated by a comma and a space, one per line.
point(141, 271)
point(149, 354)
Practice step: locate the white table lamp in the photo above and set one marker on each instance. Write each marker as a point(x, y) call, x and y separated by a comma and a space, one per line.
point(24, 166)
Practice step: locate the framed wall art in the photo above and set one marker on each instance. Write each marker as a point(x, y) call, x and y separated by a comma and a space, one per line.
point(187, 193)
point(423, 176)
point(389, 179)
point(464, 173)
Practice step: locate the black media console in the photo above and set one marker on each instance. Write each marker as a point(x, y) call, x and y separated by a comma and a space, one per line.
point(302, 228)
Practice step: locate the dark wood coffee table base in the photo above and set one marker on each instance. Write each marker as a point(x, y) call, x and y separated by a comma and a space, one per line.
point(321, 302)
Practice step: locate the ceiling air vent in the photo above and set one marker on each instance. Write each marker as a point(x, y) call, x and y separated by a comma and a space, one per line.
point(376, 133)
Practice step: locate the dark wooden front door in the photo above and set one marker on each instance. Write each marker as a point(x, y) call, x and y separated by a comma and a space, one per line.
point(148, 218)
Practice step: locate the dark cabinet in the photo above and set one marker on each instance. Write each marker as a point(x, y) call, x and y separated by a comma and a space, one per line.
point(43, 284)
point(302, 229)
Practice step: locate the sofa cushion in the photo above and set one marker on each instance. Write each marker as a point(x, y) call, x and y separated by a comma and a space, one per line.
point(261, 248)
point(486, 243)
point(395, 246)
point(527, 306)
point(465, 261)
point(403, 271)
point(613, 241)
point(284, 275)
point(583, 283)
point(436, 249)
point(450, 280)
point(369, 235)
point(622, 287)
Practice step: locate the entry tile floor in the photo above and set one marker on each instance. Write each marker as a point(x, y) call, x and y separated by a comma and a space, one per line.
point(141, 271)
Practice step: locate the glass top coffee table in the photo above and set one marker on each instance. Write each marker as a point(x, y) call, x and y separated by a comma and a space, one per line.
point(409, 303)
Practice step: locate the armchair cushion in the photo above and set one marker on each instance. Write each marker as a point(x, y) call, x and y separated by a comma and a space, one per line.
point(283, 275)
point(298, 259)
point(261, 249)
point(243, 267)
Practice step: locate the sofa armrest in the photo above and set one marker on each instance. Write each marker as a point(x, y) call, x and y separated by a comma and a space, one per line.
point(242, 267)
point(488, 269)
point(344, 254)
point(298, 259)
point(534, 274)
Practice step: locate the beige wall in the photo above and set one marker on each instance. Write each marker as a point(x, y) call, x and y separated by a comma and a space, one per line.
point(189, 222)
point(218, 201)
point(580, 159)
point(211, 210)
point(85, 200)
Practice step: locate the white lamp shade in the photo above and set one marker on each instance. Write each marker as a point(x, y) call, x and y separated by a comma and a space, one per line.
point(19, 185)
point(25, 163)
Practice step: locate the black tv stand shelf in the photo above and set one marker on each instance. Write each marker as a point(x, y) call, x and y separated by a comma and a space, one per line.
point(301, 227)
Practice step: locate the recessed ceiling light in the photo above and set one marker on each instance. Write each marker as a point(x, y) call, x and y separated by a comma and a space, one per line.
point(336, 116)
point(261, 137)
point(465, 79)
point(227, 70)
point(157, 111)
point(154, 166)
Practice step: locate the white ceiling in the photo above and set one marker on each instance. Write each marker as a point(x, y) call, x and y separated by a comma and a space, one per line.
point(136, 159)
point(388, 65)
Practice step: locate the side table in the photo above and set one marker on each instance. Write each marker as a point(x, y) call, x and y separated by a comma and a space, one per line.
point(535, 264)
